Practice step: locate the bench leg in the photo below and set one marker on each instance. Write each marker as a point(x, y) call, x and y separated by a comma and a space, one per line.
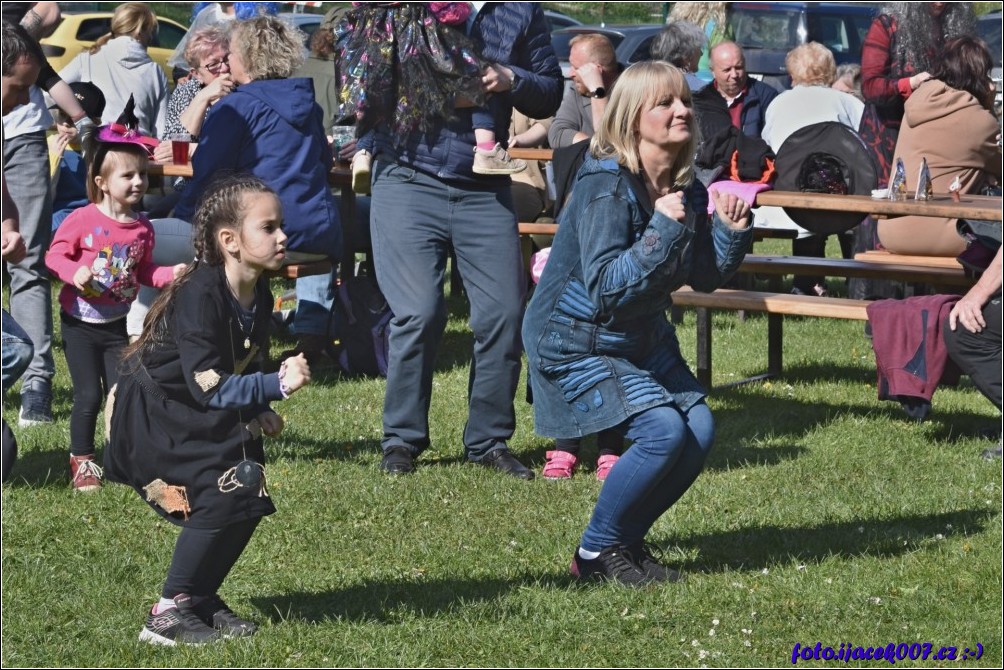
point(704, 347)
point(775, 344)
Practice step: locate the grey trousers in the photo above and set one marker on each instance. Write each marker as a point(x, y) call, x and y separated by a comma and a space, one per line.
point(26, 173)
point(415, 220)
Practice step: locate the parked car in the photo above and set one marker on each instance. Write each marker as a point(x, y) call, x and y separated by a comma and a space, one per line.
point(767, 31)
point(305, 23)
point(77, 31)
point(631, 42)
point(557, 20)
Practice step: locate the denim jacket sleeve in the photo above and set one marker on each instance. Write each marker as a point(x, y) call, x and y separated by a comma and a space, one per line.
point(618, 271)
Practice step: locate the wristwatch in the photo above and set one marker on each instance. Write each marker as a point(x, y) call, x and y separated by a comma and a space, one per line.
point(598, 92)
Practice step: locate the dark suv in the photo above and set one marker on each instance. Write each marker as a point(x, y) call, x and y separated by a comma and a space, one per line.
point(767, 31)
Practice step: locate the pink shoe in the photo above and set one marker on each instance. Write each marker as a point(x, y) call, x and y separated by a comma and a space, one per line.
point(603, 466)
point(560, 465)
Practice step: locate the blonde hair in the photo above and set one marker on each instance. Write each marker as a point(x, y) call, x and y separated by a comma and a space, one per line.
point(637, 90)
point(598, 46)
point(133, 19)
point(700, 13)
point(811, 64)
point(269, 47)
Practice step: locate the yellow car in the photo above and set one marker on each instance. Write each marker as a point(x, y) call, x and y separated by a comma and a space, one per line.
point(76, 32)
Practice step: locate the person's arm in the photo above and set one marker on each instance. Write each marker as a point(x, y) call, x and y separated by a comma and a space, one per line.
point(565, 127)
point(12, 247)
point(877, 86)
point(621, 276)
point(534, 136)
point(194, 114)
point(534, 80)
point(968, 311)
point(65, 247)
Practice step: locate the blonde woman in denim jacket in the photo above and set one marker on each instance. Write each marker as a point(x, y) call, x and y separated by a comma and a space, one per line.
point(601, 352)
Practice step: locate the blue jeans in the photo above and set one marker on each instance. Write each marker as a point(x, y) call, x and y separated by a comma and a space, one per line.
point(17, 351)
point(315, 294)
point(26, 173)
point(668, 453)
point(416, 220)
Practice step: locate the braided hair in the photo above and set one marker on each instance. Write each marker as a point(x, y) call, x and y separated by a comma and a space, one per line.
point(222, 205)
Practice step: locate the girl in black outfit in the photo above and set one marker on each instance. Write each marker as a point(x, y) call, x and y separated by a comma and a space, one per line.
point(191, 407)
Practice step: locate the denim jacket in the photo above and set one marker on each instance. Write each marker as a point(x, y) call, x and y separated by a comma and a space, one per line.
point(599, 345)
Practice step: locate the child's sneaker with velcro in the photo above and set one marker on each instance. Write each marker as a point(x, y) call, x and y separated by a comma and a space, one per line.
point(177, 625)
point(496, 161)
point(85, 473)
point(559, 465)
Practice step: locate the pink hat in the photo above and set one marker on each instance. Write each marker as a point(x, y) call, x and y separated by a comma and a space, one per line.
point(126, 130)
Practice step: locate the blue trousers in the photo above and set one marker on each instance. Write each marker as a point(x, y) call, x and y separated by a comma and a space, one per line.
point(17, 351)
point(668, 452)
point(26, 172)
point(416, 220)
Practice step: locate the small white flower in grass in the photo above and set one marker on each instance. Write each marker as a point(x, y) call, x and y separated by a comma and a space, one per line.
point(939, 536)
point(747, 643)
point(694, 643)
point(829, 580)
point(702, 654)
point(801, 568)
point(715, 622)
point(861, 529)
point(764, 571)
point(948, 526)
point(746, 631)
point(875, 600)
point(711, 633)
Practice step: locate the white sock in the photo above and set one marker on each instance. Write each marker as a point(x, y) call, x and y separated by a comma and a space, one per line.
point(588, 555)
point(163, 604)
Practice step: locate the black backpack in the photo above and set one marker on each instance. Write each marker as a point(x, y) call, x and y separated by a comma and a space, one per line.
point(363, 317)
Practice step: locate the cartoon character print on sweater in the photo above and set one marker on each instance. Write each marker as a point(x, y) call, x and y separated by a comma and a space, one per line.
point(112, 269)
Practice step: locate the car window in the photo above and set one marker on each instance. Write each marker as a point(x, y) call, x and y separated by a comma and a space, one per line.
point(90, 30)
point(830, 31)
point(168, 36)
point(764, 29)
point(989, 29)
point(643, 51)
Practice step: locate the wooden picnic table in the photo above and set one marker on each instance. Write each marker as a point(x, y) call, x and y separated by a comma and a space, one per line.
point(970, 206)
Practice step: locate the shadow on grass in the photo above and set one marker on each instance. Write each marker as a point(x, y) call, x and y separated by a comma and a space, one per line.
point(384, 601)
point(767, 546)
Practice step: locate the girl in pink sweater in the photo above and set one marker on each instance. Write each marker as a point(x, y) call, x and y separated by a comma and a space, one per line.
point(102, 252)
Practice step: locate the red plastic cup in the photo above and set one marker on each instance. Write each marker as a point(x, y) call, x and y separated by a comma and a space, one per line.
point(179, 149)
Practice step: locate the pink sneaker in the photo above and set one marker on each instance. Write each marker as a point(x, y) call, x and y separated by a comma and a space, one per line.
point(604, 464)
point(560, 465)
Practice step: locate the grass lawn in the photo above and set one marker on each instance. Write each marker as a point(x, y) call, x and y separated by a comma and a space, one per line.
point(824, 515)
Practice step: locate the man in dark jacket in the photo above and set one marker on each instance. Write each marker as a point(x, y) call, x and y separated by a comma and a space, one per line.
point(746, 100)
point(426, 200)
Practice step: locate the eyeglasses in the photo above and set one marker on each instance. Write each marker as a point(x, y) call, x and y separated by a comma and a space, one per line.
point(216, 66)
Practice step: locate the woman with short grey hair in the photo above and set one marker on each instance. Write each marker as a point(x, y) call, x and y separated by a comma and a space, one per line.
point(681, 43)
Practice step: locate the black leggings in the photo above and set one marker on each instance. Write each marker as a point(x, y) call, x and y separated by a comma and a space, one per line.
point(608, 442)
point(93, 351)
point(203, 557)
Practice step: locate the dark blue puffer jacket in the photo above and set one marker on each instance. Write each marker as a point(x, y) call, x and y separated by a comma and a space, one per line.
point(513, 34)
point(272, 129)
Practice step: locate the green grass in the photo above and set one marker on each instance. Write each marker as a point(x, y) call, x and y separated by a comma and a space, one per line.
point(823, 515)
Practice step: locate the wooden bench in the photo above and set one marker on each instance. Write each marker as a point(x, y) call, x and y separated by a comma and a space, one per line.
point(776, 305)
point(915, 273)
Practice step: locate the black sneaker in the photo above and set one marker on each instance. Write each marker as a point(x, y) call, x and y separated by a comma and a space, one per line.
point(216, 614)
point(177, 625)
point(614, 564)
point(642, 554)
point(36, 408)
point(398, 461)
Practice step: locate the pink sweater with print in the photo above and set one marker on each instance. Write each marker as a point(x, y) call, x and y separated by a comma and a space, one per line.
point(118, 254)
